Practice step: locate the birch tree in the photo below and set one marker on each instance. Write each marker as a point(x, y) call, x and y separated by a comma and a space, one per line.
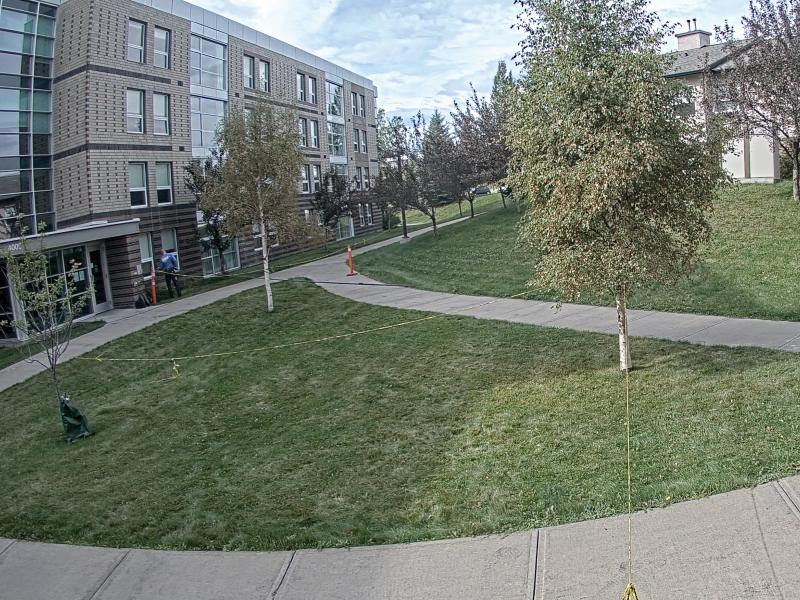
point(763, 84)
point(619, 184)
point(50, 300)
point(395, 141)
point(260, 174)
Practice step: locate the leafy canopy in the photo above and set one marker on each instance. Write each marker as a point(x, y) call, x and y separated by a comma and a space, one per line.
point(619, 184)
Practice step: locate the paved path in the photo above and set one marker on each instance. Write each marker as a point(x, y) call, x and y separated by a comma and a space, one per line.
point(331, 274)
point(744, 545)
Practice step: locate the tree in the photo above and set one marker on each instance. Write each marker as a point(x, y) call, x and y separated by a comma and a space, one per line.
point(479, 128)
point(332, 200)
point(202, 178)
point(434, 165)
point(50, 301)
point(395, 142)
point(763, 85)
point(619, 184)
point(259, 176)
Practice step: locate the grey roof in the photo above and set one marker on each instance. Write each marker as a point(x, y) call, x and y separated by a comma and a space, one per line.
point(713, 56)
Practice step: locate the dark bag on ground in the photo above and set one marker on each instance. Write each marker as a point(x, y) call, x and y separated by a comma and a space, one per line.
point(75, 424)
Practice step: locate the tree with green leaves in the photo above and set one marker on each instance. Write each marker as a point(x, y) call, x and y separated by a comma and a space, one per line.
point(202, 178)
point(332, 201)
point(50, 300)
point(259, 176)
point(395, 145)
point(762, 85)
point(434, 162)
point(618, 182)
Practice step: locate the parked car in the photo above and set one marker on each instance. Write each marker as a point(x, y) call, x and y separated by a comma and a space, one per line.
point(481, 190)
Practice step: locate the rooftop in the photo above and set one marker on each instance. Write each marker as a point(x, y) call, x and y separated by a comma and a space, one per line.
point(696, 60)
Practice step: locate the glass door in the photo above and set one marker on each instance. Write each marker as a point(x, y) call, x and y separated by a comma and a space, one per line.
point(97, 264)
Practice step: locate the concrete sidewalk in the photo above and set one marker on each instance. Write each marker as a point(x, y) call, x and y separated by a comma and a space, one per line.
point(740, 545)
point(331, 274)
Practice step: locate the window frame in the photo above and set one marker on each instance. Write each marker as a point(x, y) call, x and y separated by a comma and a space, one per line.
point(356, 139)
point(223, 74)
point(142, 189)
point(305, 179)
point(314, 133)
point(129, 115)
point(364, 141)
point(302, 124)
point(137, 47)
point(301, 87)
point(316, 178)
point(170, 187)
point(162, 118)
point(343, 145)
point(362, 105)
point(312, 89)
point(261, 79)
point(151, 259)
point(354, 103)
point(249, 61)
point(167, 54)
point(174, 231)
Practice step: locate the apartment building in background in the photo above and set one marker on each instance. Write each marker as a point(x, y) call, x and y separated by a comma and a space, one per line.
point(754, 158)
point(104, 102)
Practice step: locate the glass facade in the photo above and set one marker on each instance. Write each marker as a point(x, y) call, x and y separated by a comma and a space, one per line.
point(336, 139)
point(207, 113)
point(335, 101)
point(27, 30)
point(208, 63)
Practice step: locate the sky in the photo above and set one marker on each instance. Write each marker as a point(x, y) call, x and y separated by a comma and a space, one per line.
point(422, 54)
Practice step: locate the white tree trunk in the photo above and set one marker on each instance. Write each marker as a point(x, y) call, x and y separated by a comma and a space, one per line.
point(622, 327)
point(265, 263)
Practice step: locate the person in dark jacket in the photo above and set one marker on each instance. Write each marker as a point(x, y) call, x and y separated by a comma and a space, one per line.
point(169, 265)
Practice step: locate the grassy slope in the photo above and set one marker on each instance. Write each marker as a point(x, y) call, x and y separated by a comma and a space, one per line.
point(448, 427)
point(751, 268)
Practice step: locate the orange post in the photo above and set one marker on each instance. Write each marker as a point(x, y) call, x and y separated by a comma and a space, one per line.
point(153, 286)
point(350, 260)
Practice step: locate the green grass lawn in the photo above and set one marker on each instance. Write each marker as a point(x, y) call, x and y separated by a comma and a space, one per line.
point(448, 212)
point(12, 354)
point(447, 427)
point(751, 268)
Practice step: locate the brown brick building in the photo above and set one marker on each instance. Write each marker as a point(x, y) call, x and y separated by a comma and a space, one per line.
point(113, 98)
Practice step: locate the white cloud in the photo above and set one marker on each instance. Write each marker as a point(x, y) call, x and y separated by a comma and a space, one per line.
point(420, 53)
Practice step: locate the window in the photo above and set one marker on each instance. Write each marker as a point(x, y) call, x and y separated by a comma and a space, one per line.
point(336, 139)
point(263, 70)
point(344, 227)
point(354, 102)
point(361, 220)
point(315, 134)
point(136, 33)
point(160, 114)
point(208, 63)
point(334, 93)
point(368, 207)
point(308, 215)
point(301, 87)
point(366, 178)
point(303, 123)
point(340, 170)
point(146, 254)
point(316, 173)
point(362, 106)
point(161, 47)
point(305, 173)
point(249, 67)
point(135, 111)
point(164, 182)
point(169, 242)
point(356, 140)
point(364, 142)
point(137, 184)
point(312, 89)
point(206, 115)
point(212, 263)
point(358, 179)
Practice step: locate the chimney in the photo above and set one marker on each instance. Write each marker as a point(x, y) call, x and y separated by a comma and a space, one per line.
point(693, 38)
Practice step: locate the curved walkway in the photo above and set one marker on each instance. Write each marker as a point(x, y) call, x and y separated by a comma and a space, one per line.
point(740, 545)
point(331, 274)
